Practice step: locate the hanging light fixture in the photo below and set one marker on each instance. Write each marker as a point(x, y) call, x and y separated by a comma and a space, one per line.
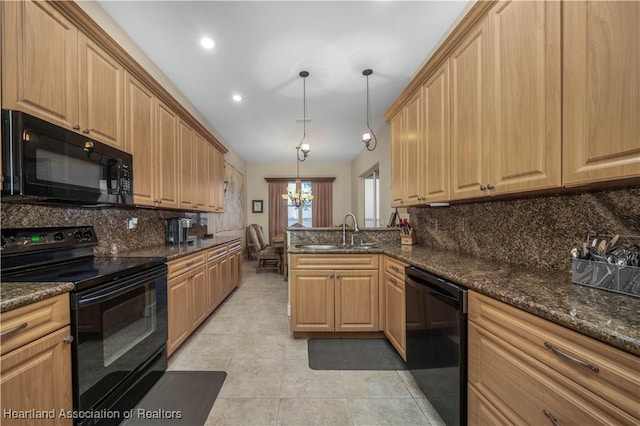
point(299, 197)
point(370, 136)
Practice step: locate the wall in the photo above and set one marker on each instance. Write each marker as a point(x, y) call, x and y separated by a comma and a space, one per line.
point(258, 188)
point(539, 231)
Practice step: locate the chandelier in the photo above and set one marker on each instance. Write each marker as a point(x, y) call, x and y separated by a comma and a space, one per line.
point(369, 137)
point(299, 197)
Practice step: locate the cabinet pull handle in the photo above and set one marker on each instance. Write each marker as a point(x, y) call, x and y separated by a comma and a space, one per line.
point(85, 131)
point(550, 416)
point(14, 330)
point(571, 359)
point(395, 268)
point(393, 280)
point(76, 127)
point(483, 187)
point(191, 276)
point(68, 339)
point(189, 263)
point(490, 186)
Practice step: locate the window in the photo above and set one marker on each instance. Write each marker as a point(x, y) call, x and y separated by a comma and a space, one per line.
point(302, 215)
point(372, 199)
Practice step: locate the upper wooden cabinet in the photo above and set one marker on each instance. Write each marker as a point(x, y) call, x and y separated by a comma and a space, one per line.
point(166, 156)
point(186, 173)
point(601, 91)
point(435, 144)
point(216, 181)
point(505, 120)
point(398, 159)
point(201, 176)
point(53, 71)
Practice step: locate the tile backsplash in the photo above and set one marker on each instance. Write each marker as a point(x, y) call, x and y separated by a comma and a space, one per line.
point(539, 231)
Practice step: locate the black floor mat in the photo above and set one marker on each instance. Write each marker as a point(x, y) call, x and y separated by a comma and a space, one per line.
point(179, 398)
point(353, 354)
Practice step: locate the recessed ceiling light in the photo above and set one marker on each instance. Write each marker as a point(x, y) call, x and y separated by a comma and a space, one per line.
point(236, 98)
point(207, 43)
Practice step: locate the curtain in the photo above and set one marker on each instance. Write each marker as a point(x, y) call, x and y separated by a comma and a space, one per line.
point(277, 208)
point(322, 205)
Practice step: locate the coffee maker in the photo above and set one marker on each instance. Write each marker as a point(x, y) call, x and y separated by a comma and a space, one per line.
point(177, 229)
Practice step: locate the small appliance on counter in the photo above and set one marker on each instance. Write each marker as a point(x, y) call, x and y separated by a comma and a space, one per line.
point(177, 231)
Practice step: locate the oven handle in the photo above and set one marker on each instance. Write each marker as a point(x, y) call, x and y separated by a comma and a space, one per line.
point(118, 289)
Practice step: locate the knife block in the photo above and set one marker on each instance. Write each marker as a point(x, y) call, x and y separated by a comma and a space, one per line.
point(408, 240)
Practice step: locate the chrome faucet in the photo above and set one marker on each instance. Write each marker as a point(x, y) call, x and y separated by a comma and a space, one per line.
point(344, 228)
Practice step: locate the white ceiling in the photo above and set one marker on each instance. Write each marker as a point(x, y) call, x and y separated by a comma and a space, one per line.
point(261, 46)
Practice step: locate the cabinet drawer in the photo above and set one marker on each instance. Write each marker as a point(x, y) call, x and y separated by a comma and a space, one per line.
point(529, 392)
point(334, 261)
point(40, 318)
point(179, 266)
point(216, 252)
point(394, 267)
point(235, 246)
point(617, 377)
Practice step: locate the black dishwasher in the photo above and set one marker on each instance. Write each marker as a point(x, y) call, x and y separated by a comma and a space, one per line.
point(436, 323)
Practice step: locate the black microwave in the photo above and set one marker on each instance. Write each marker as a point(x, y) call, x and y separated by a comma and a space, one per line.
point(45, 162)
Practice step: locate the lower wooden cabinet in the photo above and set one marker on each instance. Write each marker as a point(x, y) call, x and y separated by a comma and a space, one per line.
point(197, 284)
point(523, 369)
point(328, 295)
point(395, 325)
point(36, 375)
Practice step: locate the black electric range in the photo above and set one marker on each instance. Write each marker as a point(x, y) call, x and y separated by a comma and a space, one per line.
point(118, 311)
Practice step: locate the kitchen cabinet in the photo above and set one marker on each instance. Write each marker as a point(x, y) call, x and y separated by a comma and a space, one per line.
point(186, 173)
point(53, 71)
point(397, 159)
point(529, 371)
point(201, 174)
point(216, 262)
point(187, 298)
point(235, 265)
point(150, 137)
point(506, 134)
point(35, 366)
point(216, 181)
point(413, 146)
point(434, 179)
point(601, 91)
point(395, 305)
point(334, 293)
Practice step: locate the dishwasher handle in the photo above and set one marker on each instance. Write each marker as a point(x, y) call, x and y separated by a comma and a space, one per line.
point(445, 291)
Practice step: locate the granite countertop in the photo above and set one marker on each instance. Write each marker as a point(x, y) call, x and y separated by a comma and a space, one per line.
point(14, 295)
point(173, 252)
point(609, 317)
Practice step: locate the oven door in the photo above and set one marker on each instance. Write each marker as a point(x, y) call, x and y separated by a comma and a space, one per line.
point(437, 343)
point(117, 327)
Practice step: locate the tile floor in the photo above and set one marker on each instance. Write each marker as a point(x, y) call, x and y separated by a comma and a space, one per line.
point(269, 381)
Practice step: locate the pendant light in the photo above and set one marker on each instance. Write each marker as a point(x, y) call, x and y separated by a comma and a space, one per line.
point(300, 198)
point(369, 138)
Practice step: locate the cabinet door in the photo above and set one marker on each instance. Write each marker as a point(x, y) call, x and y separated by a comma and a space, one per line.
point(224, 287)
point(179, 312)
point(212, 179)
point(601, 85)
point(312, 300)
point(435, 179)
point(523, 147)
point(468, 100)
point(394, 323)
point(40, 62)
point(201, 161)
point(200, 304)
point(140, 139)
point(167, 156)
point(185, 154)
point(214, 282)
point(481, 412)
point(356, 300)
point(413, 151)
point(220, 180)
point(101, 94)
point(37, 376)
point(397, 159)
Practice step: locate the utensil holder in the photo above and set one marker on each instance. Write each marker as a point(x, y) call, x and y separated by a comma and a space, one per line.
point(608, 276)
point(408, 240)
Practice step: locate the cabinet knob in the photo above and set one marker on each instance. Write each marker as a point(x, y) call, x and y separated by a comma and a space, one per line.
point(68, 340)
point(338, 276)
point(483, 187)
point(85, 131)
point(76, 127)
point(331, 276)
point(490, 186)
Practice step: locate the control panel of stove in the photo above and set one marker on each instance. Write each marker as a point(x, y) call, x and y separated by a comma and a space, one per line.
point(20, 240)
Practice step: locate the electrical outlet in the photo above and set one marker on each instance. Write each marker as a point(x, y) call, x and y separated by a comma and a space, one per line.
point(433, 224)
point(132, 223)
